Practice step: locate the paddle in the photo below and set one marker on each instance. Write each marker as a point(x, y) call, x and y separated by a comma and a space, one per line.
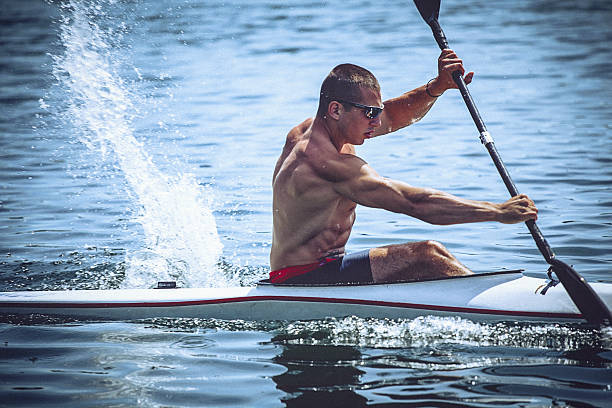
point(588, 302)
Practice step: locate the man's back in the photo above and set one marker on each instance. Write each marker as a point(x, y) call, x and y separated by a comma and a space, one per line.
point(310, 218)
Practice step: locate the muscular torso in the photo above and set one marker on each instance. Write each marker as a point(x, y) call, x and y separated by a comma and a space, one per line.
point(310, 218)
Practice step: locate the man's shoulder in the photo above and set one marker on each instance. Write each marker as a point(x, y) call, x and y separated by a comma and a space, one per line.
point(310, 146)
point(296, 135)
point(331, 165)
point(300, 130)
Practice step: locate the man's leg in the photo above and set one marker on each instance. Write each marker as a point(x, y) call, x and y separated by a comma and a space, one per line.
point(414, 261)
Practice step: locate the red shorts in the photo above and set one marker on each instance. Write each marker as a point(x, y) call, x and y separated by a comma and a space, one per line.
point(354, 268)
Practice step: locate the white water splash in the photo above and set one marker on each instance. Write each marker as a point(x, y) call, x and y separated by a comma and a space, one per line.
point(429, 331)
point(181, 239)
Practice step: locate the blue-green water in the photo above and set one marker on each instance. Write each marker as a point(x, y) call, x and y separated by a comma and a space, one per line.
point(137, 142)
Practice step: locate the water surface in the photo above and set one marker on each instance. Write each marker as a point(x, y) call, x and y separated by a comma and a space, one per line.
point(137, 142)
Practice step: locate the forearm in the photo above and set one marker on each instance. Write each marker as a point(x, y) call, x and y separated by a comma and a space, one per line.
point(433, 206)
point(440, 208)
point(406, 109)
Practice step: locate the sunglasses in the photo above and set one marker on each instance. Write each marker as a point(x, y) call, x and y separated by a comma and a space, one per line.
point(370, 112)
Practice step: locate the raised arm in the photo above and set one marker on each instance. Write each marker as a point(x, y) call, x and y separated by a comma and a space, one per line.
point(364, 186)
point(413, 105)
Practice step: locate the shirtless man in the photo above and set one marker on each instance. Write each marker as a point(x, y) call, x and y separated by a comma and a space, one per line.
point(318, 181)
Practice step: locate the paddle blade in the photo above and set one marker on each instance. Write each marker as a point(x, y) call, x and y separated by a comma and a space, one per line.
point(588, 302)
point(429, 9)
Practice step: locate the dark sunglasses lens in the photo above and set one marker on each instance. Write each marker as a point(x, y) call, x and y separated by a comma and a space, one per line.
point(372, 112)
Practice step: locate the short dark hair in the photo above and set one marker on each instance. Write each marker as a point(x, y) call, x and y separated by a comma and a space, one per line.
point(345, 82)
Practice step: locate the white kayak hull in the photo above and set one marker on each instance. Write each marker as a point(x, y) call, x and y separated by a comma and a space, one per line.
point(487, 297)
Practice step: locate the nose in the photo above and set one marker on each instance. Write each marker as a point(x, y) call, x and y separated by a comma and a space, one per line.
point(376, 122)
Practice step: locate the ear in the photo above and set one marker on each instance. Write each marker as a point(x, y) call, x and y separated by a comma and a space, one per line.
point(334, 109)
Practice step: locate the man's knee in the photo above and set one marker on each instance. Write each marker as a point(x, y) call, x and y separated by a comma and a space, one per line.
point(433, 249)
point(427, 251)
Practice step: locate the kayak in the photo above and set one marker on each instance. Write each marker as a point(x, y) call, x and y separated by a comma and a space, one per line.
point(496, 296)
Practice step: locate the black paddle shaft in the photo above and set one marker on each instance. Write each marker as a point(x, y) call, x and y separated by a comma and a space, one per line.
point(487, 140)
point(582, 294)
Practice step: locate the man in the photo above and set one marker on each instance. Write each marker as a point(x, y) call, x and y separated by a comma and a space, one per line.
point(318, 181)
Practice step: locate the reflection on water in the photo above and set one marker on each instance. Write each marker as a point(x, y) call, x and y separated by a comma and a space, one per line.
point(320, 376)
point(184, 362)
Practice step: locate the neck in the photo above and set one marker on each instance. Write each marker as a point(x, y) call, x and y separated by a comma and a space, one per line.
point(329, 130)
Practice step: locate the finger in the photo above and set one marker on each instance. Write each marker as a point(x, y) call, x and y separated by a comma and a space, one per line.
point(453, 68)
point(527, 215)
point(468, 78)
point(525, 200)
point(520, 198)
point(531, 213)
point(443, 57)
point(453, 60)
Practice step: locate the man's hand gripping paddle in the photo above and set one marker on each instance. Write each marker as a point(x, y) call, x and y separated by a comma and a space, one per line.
point(588, 302)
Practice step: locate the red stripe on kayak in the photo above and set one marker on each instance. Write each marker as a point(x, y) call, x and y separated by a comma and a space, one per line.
point(456, 309)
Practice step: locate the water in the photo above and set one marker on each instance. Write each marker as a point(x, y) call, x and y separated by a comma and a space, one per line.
point(137, 143)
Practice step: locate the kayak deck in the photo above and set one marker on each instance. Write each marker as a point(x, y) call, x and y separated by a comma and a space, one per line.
point(492, 296)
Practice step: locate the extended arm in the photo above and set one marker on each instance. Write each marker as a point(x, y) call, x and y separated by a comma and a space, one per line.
point(413, 105)
point(364, 186)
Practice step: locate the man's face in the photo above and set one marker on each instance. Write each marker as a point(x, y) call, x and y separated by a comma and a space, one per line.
point(357, 127)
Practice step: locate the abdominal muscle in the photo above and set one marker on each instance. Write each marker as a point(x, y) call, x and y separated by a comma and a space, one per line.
point(307, 236)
